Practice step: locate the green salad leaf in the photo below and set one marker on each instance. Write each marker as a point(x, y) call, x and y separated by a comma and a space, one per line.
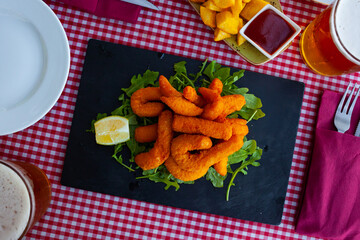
point(247, 156)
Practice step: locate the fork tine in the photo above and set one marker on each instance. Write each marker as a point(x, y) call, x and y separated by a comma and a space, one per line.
point(341, 104)
point(354, 101)
point(346, 107)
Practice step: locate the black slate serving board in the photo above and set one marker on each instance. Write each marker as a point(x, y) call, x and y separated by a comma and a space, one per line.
point(259, 196)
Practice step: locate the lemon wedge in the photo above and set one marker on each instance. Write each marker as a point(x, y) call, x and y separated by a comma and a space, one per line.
point(112, 130)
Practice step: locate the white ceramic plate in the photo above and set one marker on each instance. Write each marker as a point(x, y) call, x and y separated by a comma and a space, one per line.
point(34, 62)
point(326, 2)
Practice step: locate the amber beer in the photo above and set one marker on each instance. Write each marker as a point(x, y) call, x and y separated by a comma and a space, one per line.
point(330, 45)
point(24, 198)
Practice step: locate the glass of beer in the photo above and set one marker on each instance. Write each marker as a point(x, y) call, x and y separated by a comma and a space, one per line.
point(330, 44)
point(24, 198)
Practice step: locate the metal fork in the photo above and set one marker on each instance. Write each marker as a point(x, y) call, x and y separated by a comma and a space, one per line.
point(343, 112)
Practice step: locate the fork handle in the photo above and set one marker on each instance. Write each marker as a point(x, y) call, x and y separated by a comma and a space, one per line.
point(357, 132)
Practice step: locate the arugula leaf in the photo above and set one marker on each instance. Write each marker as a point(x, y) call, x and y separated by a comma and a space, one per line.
point(252, 102)
point(211, 69)
point(137, 82)
point(180, 68)
point(247, 149)
point(256, 155)
point(215, 178)
point(117, 155)
point(161, 174)
point(199, 74)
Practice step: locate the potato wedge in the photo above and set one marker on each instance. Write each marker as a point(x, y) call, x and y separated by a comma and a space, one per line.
point(238, 6)
point(252, 8)
point(240, 39)
point(227, 22)
point(224, 3)
point(210, 5)
point(220, 35)
point(208, 16)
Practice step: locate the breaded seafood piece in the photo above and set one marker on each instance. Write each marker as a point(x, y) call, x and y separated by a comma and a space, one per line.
point(238, 126)
point(216, 85)
point(221, 166)
point(215, 103)
point(213, 155)
point(161, 150)
point(182, 174)
point(182, 145)
point(233, 103)
point(190, 94)
point(167, 89)
point(143, 102)
point(194, 125)
point(145, 134)
point(190, 169)
point(182, 106)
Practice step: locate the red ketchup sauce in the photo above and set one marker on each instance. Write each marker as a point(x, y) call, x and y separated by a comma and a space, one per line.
point(269, 30)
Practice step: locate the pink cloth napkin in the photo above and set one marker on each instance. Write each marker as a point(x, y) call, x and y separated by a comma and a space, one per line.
point(108, 8)
point(331, 201)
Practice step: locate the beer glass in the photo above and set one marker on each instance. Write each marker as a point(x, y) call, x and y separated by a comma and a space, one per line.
point(330, 44)
point(24, 198)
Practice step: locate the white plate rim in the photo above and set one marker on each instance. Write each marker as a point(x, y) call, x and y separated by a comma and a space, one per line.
point(56, 45)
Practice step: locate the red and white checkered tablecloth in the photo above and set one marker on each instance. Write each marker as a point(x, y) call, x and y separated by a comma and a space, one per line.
point(175, 29)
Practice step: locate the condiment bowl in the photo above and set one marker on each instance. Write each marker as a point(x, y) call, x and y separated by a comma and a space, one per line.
point(265, 33)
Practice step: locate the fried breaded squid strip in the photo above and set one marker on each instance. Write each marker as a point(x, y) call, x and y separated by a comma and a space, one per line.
point(145, 134)
point(238, 126)
point(233, 103)
point(182, 106)
point(193, 125)
point(215, 103)
point(142, 103)
point(221, 166)
point(214, 154)
point(166, 89)
point(190, 94)
point(216, 85)
point(161, 150)
point(182, 174)
point(182, 145)
point(192, 168)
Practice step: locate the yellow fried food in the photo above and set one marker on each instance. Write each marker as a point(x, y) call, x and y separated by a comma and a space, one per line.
point(221, 166)
point(193, 125)
point(166, 89)
point(215, 103)
point(182, 145)
point(148, 133)
point(214, 154)
point(238, 126)
point(220, 35)
point(217, 85)
point(233, 103)
point(161, 150)
point(208, 16)
point(190, 94)
point(182, 106)
point(182, 174)
point(189, 170)
point(142, 102)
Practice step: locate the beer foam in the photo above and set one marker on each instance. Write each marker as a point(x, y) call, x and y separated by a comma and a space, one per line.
point(347, 27)
point(14, 204)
